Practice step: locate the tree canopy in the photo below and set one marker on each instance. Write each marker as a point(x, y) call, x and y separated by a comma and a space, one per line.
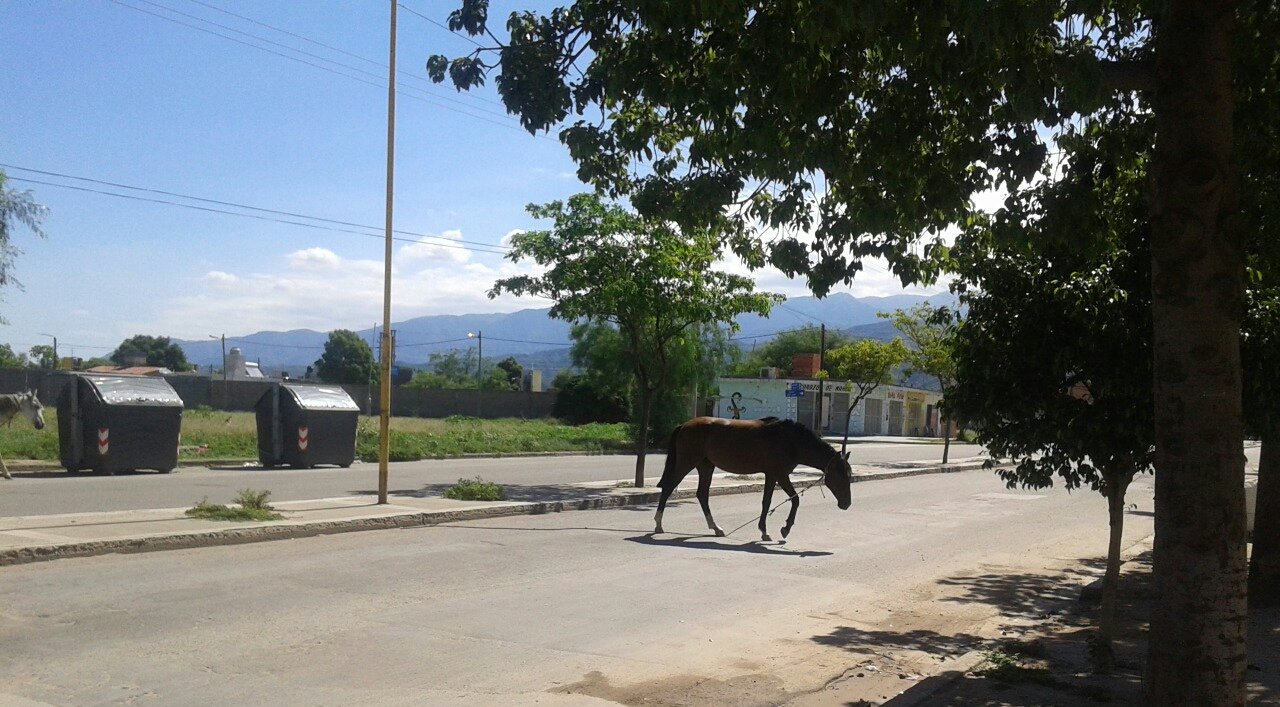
point(779, 351)
point(153, 350)
point(346, 359)
point(16, 207)
point(873, 125)
point(648, 278)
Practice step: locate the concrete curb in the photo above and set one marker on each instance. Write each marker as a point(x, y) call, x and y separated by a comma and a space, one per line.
point(303, 529)
point(29, 467)
point(949, 673)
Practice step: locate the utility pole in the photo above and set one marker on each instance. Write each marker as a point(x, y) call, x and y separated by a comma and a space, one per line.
point(822, 354)
point(479, 337)
point(224, 354)
point(384, 412)
point(55, 350)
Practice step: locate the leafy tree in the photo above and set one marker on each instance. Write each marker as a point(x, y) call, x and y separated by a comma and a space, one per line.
point(16, 207)
point(95, 362)
point(581, 399)
point(155, 350)
point(347, 359)
point(1258, 148)
point(873, 124)
point(1053, 358)
point(43, 356)
point(866, 364)
point(9, 359)
point(509, 374)
point(927, 330)
point(778, 351)
point(648, 278)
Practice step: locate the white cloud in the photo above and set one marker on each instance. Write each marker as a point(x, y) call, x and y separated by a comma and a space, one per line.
point(217, 278)
point(506, 240)
point(432, 248)
point(314, 259)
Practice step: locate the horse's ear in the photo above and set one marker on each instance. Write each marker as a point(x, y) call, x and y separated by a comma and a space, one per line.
point(846, 456)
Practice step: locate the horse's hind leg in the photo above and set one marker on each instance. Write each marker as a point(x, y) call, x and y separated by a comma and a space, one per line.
point(705, 470)
point(5, 467)
point(785, 483)
point(769, 481)
point(670, 486)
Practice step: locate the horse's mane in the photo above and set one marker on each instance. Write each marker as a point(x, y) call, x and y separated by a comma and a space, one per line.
point(796, 431)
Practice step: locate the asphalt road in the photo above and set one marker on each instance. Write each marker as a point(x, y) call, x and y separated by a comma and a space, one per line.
point(572, 608)
point(52, 492)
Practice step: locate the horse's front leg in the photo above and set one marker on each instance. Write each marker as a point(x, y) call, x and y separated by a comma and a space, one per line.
point(785, 482)
point(704, 496)
point(769, 481)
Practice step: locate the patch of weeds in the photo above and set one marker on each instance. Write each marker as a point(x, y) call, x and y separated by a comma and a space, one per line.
point(252, 505)
point(744, 477)
point(476, 489)
point(625, 485)
point(1005, 667)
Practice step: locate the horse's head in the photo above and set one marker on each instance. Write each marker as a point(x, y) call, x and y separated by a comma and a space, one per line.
point(30, 407)
point(838, 474)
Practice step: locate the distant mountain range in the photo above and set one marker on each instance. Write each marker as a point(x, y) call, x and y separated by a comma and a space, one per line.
point(537, 340)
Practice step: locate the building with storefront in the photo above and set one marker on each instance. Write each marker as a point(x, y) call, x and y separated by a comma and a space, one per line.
point(889, 409)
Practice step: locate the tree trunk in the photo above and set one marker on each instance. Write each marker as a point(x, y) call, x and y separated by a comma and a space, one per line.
point(1198, 623)
point(946, 438)
point(1103, 654)
point(642, 433)
point(1264, 565)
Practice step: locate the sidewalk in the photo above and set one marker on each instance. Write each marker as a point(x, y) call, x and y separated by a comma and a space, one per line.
point(45, 537)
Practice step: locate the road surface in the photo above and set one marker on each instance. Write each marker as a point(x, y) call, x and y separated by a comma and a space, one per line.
point(581, 608)
point(57, 492)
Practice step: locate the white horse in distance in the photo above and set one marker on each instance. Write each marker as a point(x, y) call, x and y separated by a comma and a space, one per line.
point(25, 404)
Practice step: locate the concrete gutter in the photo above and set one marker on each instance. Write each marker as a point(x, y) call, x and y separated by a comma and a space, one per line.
point(36, 544)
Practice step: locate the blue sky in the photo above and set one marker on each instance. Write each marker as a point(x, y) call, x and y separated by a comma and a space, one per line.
point(101, 89)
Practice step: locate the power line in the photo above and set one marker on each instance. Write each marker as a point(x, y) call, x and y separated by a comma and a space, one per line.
point(378, 82)
point(447, 242)
point(525, 341)
point(432, 343)
point(244, 215)
point(438, 24)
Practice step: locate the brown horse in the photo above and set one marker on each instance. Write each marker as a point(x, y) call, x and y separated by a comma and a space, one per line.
point(770, 446)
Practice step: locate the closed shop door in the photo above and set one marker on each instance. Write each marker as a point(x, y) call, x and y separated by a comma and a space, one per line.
point(873, 409)
point(895, 418)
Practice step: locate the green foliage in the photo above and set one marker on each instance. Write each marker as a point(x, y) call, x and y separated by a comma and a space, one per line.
point(927, 330)
point(707, 101)
point(252, 506)
point(43, 356)
point(250, 498)
point(866, 364)
point(1053, 358)
point(476, 489)
point(779, 350)
point(347, 359)
point(649, 279)
point(508, 374)
point(582, 398)
point(155, 350)
point(9, 359)
point(16, 207)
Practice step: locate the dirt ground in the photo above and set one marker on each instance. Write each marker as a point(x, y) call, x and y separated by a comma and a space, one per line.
point(1048, 663)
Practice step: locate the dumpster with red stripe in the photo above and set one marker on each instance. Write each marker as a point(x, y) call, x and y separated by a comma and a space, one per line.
point(306, 425)
point(113, 422)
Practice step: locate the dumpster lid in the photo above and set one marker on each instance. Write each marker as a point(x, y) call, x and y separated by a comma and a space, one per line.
point(135, 390)
point(321, 397)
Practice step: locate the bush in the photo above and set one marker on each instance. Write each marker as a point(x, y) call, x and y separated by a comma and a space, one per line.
point(476, 489)
point(580, 399)
point(252, 506)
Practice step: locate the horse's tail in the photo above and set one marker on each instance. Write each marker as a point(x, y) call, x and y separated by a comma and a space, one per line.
point(668, 471)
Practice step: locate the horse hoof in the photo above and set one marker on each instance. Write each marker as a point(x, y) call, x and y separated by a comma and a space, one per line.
point(765, 538)
point(786, 531)
point(657, 530)
point(719, 533)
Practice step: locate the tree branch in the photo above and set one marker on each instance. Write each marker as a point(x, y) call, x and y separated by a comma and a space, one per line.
point(1127, 75)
